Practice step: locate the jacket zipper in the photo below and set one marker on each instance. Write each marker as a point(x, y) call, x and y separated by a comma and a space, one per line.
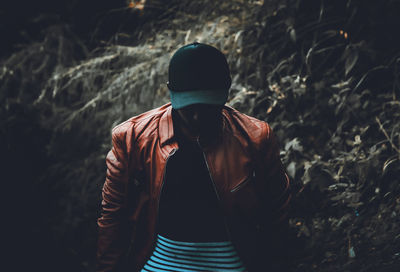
point(158, 199)
point(163, 180)
point(215, 190)
point(219, 199)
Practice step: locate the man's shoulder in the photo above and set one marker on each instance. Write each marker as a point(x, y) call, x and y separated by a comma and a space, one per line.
point(144, 121)
point(252, 126)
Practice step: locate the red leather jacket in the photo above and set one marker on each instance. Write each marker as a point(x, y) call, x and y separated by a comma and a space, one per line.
point(245, 167)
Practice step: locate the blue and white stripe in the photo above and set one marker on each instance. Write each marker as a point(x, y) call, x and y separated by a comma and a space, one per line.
point(170, 255)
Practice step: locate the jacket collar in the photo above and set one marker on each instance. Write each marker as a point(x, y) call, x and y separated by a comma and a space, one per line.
point(166, 128)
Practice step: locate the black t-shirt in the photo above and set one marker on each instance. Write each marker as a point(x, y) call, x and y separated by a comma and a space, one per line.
point(189, 207)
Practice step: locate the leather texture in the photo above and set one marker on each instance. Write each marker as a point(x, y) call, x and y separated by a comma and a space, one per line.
point(244, 164)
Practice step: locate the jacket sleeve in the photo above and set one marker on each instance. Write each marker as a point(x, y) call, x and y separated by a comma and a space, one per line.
point(276, 186)
point(112, 224)
point(276, 196)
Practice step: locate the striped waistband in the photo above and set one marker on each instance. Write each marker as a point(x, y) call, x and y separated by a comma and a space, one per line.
point(170, 255)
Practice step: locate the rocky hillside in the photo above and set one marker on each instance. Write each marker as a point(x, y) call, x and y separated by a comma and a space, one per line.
point(324, 75)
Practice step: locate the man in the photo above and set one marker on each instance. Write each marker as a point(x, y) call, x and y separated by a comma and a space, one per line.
point(193, 185)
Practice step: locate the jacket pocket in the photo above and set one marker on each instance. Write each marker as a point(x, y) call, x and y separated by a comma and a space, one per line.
point(243, 183)
point(245, 198)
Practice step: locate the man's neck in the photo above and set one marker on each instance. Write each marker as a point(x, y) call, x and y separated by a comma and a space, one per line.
point(180, 131)
point(183, 133)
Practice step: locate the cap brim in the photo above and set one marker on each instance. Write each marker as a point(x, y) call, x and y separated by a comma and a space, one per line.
point(183, 99)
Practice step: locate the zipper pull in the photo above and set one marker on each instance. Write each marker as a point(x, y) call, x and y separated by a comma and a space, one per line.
point(198, 141)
